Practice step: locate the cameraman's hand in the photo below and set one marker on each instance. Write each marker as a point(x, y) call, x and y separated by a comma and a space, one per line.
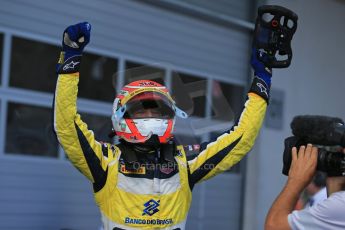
point(303, 166)
point(302, 170)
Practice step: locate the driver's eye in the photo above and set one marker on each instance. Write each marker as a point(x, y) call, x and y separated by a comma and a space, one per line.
point(146, 113)
point(156, 113)
point(140, 113)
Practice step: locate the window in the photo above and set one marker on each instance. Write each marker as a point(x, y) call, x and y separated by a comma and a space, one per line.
point(136, 71)
point(100, 125)
point(29, 128)
point(187, 139)
point(33, 67)
point(29, 131)
point(98, 77)
point(227, 101)
point(189, 92)
point(1, 50)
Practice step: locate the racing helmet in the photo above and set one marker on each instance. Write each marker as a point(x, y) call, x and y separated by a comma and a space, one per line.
point(144, 108)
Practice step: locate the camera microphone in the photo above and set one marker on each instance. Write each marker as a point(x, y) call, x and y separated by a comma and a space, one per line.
point(320, 130)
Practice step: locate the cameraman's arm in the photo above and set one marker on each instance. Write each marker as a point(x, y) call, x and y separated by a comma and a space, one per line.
point(301, 172)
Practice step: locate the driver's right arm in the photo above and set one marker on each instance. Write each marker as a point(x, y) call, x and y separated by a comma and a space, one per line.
point(89, 156)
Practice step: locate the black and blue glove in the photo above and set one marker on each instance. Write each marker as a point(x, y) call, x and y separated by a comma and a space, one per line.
point(262, 81)
point(75, 38)
point(260, 70)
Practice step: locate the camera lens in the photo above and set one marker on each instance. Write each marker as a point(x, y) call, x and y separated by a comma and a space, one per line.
point(330, 162)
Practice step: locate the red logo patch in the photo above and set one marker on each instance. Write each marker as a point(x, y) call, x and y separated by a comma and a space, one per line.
point(166, 170)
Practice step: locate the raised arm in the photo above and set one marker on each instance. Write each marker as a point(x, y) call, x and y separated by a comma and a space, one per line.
point(89, 156)
point(221, 154)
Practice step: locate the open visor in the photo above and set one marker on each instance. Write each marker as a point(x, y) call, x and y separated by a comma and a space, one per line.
point(149, 105)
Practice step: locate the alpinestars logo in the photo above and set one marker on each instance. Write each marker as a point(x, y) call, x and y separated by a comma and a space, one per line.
point(262, 88)
point(70, 65)
point(151, 207)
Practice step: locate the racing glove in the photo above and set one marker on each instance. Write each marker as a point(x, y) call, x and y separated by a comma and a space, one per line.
point(262, 81)
point(74, 40)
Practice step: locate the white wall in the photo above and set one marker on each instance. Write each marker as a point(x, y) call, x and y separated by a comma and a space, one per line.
point(313, 84)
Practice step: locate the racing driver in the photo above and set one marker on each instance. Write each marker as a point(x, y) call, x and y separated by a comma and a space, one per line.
point(146, 181)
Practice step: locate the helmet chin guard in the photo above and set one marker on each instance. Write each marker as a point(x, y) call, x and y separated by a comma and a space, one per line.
point(143, 95)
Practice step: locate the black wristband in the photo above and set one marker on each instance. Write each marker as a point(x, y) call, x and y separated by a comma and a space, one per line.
point(260, 88)
point(71, 65)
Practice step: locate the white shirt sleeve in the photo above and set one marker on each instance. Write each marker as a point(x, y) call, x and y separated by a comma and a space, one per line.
point(328, 214)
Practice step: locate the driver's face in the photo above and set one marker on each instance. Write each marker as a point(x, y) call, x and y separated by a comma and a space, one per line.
point(147, 113)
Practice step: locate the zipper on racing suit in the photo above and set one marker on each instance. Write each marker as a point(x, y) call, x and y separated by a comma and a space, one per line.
point(156, 180)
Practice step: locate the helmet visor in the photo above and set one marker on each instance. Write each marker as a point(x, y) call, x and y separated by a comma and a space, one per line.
point(149, 105)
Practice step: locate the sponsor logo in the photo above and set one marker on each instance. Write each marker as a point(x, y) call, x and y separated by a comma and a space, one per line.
point(147, 83)
point(179, 153)
point(196, 147)
point(192, 147)
point(166, 169)
point(268, 70)
point(140, 170)
point(151, 207)
point(70, 65)
point(61, 58)
point(123, 92)
point(262, 88)
point(123, 126)
point(129, 220)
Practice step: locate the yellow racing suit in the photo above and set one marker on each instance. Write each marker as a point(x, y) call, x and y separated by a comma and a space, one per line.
point(139, 197)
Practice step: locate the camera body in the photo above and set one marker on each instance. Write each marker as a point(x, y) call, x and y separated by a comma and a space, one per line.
point(329, 160)
point(327, 133)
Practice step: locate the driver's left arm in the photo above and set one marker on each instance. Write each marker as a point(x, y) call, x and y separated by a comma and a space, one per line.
point(229, 148)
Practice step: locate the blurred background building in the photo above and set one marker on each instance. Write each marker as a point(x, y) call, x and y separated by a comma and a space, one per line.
point(200, 49)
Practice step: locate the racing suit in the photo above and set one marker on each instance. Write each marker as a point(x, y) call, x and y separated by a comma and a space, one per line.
point(129, 189)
